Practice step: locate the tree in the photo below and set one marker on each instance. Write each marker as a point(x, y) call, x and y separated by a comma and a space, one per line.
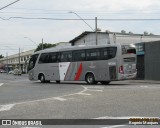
point(151, 34)
point(45, 45)
point(130, 33)
point(123, 32)
point(1, 56)
point(146, 33)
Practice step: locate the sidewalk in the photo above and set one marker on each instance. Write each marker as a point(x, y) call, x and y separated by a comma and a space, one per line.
point(145, 81)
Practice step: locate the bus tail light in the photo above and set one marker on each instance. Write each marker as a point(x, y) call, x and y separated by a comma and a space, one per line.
point(121, 70)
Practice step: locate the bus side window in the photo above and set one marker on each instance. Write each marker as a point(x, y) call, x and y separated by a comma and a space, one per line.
point(111, 52)
point(66, 57)
point(44, 58)
point(104, 54)
point(108, 53)
point(79, 55)
point(92, 54)
point(54, 57)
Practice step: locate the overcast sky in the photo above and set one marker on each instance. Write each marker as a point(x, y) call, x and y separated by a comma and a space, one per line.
point(13, 31)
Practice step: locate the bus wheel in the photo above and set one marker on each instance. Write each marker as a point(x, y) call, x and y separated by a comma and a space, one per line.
point(42, 79)
point(48, 81)
point(57, 81)
point(105, 82)
point(90, 79)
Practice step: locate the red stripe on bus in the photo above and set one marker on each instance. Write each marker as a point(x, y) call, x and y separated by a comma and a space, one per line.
point(78, 74)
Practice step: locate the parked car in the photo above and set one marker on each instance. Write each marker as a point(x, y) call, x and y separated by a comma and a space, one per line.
point(2, 71)
point(17, 72)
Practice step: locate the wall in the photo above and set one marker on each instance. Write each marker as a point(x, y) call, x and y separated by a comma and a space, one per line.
point(152, 60)
point(140, 67)
point(90, 39)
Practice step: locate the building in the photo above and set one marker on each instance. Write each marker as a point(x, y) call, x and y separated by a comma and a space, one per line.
point(13, 61)
point(89, 38)
point(147, 49)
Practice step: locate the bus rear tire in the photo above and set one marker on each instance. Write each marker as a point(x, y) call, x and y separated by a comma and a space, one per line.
point(42, 79)
point(105, 82)
point(90, 79)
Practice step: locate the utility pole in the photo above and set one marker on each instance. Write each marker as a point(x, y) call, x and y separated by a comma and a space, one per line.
point(82, 19)
point(96, 34)
point(42, 43)
point(96, 30)
point(7, 62)
point(19, 60)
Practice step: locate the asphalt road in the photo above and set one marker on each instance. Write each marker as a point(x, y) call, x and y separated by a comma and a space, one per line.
point(23, 99)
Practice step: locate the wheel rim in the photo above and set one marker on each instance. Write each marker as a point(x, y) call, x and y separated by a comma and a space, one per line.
point(90, 79)
point(42, 78)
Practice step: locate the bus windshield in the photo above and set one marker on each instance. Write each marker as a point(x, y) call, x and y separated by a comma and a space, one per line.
point(32, 62)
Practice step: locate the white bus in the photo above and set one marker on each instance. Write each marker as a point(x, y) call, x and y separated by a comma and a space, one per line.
point(92, 64)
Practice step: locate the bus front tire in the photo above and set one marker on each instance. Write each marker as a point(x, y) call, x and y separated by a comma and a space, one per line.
point(105, 82)
point(42, 79)
point(90, 79)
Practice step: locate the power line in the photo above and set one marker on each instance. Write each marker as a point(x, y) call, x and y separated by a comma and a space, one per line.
point(64, 19)
point(84, 11)
point(9, 4)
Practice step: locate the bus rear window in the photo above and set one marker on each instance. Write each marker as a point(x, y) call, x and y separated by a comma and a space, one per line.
point(128, 50)
point(131, 51)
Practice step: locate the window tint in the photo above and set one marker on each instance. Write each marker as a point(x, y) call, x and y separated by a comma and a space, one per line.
point(126, 49)
point(108, 53)
point(79, 55)
point(43, 58)
point(66, 56)
point(93, 54)
point(54, 57)
point(49, 58)
point(131, 51)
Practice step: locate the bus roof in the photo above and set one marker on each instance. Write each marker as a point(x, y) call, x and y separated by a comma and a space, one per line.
point(54, 49)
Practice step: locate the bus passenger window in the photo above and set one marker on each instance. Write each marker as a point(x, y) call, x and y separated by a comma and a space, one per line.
point(108, 53)
point(54, 57)
point(66, 57)
point(44, 58)
point(93, 54)
point(79, 55)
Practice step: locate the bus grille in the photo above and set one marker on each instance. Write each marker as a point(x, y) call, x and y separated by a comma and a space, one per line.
point(112, 72)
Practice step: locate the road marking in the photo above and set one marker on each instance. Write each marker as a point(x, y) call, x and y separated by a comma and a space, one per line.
point(95, 90)
point(95, 87)
point(1, 84)
point(9, 106)
point(6, 107)
point(86, 94)
point(60, 99)
point(144, 86)
point(31, 127)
